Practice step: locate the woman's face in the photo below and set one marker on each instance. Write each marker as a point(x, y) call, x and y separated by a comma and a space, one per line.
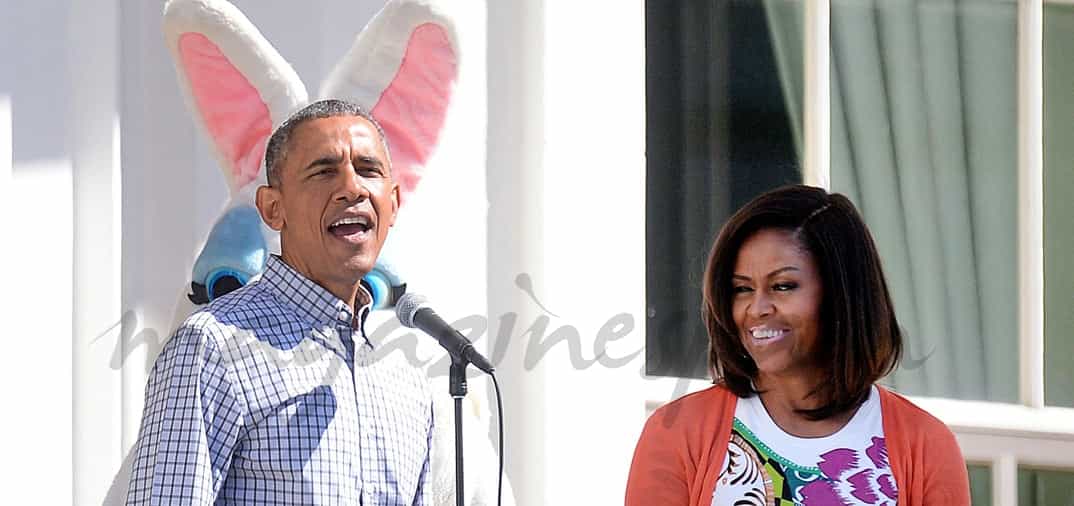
point(777, 297)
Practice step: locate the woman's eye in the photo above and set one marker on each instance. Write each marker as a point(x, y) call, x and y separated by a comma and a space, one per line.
point(741, 289)
point(783, 287)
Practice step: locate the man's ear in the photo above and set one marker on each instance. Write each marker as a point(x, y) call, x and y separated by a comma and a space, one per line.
point(270, 206)
point(395, 202)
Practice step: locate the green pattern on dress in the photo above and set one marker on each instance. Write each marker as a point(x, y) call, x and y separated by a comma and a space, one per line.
point(787, 477)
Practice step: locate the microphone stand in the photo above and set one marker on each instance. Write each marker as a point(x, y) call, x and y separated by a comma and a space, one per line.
point(457, 389)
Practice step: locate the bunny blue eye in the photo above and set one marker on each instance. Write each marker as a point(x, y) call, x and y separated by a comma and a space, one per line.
point(224, 281)
point(234, 252)
point(384, 285)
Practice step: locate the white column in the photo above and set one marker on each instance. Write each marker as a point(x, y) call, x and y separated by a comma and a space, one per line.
point(1005, 480)
point(159, 157)
point(594, 207)
point(515, 155)
point(817, 163)
point(1031, 202)
point(567, 209)
point(5, 162)
point(93, 47)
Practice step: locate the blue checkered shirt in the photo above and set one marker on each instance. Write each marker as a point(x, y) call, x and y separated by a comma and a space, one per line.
point(262, 397)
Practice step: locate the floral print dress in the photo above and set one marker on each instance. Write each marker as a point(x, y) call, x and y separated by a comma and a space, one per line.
point(766, 466)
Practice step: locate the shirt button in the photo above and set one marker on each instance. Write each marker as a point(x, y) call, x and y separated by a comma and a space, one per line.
point(344, 316)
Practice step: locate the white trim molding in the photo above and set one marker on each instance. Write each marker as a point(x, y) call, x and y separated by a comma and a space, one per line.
point(817, 116)
point(1031, 202)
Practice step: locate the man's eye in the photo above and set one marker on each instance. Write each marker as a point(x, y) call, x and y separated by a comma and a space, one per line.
point(327, 171)
point(369, 171)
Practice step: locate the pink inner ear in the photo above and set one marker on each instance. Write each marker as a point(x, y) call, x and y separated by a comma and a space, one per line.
point(413, 107)
point(237, 119)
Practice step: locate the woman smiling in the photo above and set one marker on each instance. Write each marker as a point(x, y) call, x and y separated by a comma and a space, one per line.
point(801, 326)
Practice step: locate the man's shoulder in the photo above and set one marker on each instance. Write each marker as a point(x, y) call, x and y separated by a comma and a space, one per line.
point(251, 307)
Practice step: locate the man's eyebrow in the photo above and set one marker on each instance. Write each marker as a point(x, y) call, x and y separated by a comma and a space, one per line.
point(369, 160)
point(325, 160)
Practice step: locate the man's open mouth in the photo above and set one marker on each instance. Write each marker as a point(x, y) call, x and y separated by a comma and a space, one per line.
point(351, 226)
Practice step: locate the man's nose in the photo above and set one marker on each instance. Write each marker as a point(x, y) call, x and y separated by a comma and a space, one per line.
point(352, 186)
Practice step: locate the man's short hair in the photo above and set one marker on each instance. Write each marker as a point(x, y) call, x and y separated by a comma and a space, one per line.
point(278, 144)
point(860, 340)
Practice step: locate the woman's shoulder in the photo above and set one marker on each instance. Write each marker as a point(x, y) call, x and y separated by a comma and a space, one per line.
point(924, 453)
point(903, 412)
point(711, 404)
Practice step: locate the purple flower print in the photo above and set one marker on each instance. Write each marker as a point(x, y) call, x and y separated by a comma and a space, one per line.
point(878, 453)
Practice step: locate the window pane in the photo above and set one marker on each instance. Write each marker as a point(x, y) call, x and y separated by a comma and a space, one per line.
point(980, 484)
point(723, 81)
point(1038, 487)
point(1058, 206)
point(924, 141)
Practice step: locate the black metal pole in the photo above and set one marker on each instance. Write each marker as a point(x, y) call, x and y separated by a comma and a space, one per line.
point(457, 387)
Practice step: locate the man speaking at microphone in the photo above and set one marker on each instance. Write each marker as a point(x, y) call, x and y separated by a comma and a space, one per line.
point(270, 395)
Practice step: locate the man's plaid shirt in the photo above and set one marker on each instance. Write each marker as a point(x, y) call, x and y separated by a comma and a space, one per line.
point(262, 397)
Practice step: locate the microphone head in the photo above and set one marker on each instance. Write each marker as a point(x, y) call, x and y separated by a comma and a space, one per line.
point(407, 306)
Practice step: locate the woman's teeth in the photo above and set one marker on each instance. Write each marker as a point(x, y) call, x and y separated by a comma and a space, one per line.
point(762, 333)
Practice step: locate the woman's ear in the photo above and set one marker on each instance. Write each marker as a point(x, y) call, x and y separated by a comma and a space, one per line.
point(270, 207)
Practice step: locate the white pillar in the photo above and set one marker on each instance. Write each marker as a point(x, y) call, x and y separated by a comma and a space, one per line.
point(1031, 202)
point(93, 46)
point(159, 157)
point(514, 182)
point(567, 209)
point(817, 163)
point(5, 160)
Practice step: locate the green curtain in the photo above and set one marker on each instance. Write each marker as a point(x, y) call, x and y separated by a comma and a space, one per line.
point(1042, 487)
point(924, 141)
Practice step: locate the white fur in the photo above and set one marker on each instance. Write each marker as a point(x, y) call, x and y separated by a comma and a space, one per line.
point(274, 79)
point(371, 63)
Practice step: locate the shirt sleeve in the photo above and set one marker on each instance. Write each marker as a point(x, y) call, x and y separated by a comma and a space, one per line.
point(423, 495)
point(190, 425)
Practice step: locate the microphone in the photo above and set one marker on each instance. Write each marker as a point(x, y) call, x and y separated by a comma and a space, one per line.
point(413, 311)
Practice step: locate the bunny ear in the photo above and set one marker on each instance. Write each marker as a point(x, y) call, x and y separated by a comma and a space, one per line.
point(402, 68)
point(235, 83)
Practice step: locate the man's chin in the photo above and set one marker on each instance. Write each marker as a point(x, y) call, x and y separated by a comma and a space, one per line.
point(357, 266)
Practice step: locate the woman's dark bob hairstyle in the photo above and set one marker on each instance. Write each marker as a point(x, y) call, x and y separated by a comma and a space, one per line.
point(859, 340)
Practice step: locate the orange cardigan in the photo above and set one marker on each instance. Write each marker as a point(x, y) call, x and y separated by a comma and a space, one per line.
point(682, 448)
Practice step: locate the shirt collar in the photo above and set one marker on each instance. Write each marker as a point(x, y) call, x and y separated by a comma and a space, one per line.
point(312, 301)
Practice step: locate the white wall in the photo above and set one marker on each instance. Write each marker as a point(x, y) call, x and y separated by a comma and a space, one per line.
point(37, 175)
